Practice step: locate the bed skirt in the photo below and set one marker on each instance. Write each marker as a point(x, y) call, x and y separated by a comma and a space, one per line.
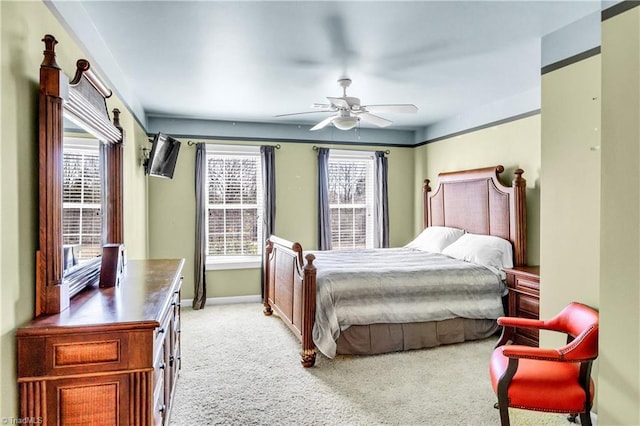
point(382, 338)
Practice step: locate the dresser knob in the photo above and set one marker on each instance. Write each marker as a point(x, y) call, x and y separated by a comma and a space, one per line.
point(161, 330)
point(162, 366)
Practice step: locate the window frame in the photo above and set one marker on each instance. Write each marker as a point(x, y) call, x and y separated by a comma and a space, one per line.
point(225, 262)
point(336, 155)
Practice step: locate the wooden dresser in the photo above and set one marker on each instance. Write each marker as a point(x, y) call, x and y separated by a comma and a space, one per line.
point(524, 300)
point(111, 358)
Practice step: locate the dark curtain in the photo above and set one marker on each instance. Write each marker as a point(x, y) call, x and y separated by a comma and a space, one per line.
point(200, 290)
point(267, 154)
point(381, 205)
point(324, 214)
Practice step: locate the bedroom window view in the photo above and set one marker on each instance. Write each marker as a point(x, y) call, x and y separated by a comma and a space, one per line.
point(234, 204)
point(81, 201)
point(351, 201)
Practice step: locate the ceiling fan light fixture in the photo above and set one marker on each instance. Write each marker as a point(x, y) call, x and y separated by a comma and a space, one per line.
point(345, 123)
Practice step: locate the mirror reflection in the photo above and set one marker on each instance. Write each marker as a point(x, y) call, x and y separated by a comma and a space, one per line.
point(82, 199)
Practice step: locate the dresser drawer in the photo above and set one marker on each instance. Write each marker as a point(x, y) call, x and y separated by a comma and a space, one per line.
point(527, 284)
point(527, 306)
point(70, 354)
point(159, 403)
point(528, 338)
point(164, 329)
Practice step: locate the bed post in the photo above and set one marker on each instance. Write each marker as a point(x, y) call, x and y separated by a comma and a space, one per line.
point(519, 192)
point(265, 279)
point(308, 312)
point(426, 210)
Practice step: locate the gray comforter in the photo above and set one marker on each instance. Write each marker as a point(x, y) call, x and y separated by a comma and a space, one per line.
point(398, 285)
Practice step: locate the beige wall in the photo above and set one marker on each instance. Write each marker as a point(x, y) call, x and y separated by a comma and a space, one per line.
point(619, 375)
point(570, 177)
point(515, 144)
point(172, 209)
point(135, 189)
point(23, 26)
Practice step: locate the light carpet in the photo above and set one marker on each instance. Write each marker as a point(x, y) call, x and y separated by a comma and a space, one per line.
point(242, 368)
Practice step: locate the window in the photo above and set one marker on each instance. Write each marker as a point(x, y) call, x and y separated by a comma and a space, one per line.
point(351, 199)
point(234, 205)
point(81, 200)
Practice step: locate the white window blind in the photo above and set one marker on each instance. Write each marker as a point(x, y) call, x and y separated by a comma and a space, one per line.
point(351, 199)
point(81, 198)
point(234, 204)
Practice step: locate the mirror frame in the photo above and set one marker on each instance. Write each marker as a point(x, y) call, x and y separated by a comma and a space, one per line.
point(83, 100)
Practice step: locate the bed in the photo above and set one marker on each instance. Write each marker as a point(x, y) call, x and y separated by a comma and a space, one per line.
point(330, 304)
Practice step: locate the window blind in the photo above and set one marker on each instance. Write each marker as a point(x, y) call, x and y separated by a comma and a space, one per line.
point(351, 201)
point(234, 202)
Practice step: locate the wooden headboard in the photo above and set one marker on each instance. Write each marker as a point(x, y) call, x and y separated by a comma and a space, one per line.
point(476, 201)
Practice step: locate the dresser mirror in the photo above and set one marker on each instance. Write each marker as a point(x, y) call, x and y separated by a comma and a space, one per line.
point(80, 181)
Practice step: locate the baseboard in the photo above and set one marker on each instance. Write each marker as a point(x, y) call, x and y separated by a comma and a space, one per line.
point(226, 300)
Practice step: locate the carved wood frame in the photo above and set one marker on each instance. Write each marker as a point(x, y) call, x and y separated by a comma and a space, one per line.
point(84, 102)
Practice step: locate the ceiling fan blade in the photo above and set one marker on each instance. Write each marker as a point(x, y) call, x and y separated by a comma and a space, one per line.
point(404, 108)
point(320, 106)
point(339, 102)
point(323, 123)
point(300, 113)
point(374, 119)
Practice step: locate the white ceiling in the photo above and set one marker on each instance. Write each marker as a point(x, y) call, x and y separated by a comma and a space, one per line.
point(247, 61)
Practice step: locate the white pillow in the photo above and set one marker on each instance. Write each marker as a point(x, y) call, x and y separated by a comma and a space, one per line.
point(489, 251)
point(435, 238)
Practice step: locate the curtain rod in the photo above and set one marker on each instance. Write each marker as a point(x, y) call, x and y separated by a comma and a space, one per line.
point(315, 148)
point(192, 143)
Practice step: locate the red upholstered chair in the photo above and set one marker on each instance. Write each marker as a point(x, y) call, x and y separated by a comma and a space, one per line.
point(551, 380)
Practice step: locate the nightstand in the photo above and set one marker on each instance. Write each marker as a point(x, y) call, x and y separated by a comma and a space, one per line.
point(524, 301)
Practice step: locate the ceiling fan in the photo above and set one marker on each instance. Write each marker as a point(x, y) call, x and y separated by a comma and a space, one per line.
point(347, 111)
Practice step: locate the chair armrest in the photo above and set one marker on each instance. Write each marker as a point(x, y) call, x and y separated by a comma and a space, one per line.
point(520, 351)
point(520, 322)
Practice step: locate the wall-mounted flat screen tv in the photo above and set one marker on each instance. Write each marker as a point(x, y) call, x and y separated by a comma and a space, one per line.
point(163, 156)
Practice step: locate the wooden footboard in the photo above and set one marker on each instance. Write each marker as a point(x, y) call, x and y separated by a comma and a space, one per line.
point(290, 291)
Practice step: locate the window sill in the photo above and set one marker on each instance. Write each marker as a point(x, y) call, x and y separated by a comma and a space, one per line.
point(244, 262)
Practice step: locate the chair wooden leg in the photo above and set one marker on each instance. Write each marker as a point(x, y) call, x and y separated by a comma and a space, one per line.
point(503, 390)
point(504, 413)
point(585, 418)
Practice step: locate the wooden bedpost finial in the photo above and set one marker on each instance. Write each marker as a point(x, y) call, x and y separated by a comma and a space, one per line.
point(50, 51)
point(519, 180)
point(426, 189)
point(425, 186)
point(310, 258)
